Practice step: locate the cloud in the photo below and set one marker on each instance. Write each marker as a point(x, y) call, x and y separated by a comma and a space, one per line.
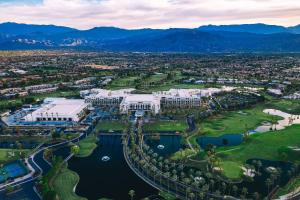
point(85, 14)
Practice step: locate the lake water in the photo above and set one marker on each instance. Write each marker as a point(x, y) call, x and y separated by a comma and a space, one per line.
point(171, 144)
point(224, 140)
point(110, 179)
point(287, 120)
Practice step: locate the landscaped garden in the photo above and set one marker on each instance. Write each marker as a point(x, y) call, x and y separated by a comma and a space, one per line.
point(236, 121)
point(123, 82)
point(177, 125)
point(64, 184)
point(7, 155)
point(269, 146)
point(87, 146)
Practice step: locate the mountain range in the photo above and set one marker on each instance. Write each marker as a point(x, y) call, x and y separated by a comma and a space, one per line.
point(204, 39)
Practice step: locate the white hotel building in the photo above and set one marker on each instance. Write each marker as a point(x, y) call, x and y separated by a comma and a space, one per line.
point(58, 109)
point(126, 101)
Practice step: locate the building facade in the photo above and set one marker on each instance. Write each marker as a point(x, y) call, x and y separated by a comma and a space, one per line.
point(59, 109)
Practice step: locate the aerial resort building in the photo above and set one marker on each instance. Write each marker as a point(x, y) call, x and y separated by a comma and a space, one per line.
point(127, 102)
point(101, 97)
point(58, 109)
point(154, 102)
point(140, 102)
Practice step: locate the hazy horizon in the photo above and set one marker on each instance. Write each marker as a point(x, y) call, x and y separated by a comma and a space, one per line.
point(163, 14)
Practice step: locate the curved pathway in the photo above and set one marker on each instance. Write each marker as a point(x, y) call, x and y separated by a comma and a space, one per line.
point(37, 165)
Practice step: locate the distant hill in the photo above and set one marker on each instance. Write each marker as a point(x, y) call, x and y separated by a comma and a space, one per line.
point(225, 38)
point(13, 29)
point(295, 29)
point(207, 42)
point(252, 28)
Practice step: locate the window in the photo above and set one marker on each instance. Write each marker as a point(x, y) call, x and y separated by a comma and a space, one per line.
point(70, 119)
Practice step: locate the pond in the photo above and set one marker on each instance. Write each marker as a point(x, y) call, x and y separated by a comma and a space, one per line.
point(110, 179)
point(287, 120)
point(164, 145)
point(224, 140)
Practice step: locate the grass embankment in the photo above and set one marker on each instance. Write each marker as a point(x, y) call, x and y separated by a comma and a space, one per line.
point(167, 196)
point(273, 145)
point(7, 155)
point(64, 183)
point(109, 126)
point(87, 146)
point(166, 126)
point(293, 185)
point(236, 121)
point(182, 154)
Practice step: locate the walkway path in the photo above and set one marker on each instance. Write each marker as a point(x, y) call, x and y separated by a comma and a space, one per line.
point(36, 168)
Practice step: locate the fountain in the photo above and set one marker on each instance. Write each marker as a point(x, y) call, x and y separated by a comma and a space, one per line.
point(105, 158)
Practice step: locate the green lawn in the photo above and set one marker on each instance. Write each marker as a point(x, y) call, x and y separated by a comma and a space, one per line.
point(166, 126)
point(231, 169)
point(123, 82)
point(7, 155)
point(263, 146)
point(156, 77)
point(64, 184)
point(109, 125)
point(236, 121)
point(87, 146)
point(289, 106)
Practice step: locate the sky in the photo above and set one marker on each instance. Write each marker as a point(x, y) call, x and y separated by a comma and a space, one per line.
point(132, 14)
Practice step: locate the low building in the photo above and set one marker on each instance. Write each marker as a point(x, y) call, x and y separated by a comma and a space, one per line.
point(140, 102)
point(275, 92)
point(101, 97)
point(59, 109)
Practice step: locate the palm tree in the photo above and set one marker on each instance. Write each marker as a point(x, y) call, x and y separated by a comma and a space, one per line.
point(201, 195)
point(75, 149)
point(259, 165)
point(212, 184)
point(192, 195)
point(187, 191)
point(268, 184)
point(244, 191)
point(48, 153)
point(131, 193)
point(256, 195)
point(224, 186)
point(235, 190)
